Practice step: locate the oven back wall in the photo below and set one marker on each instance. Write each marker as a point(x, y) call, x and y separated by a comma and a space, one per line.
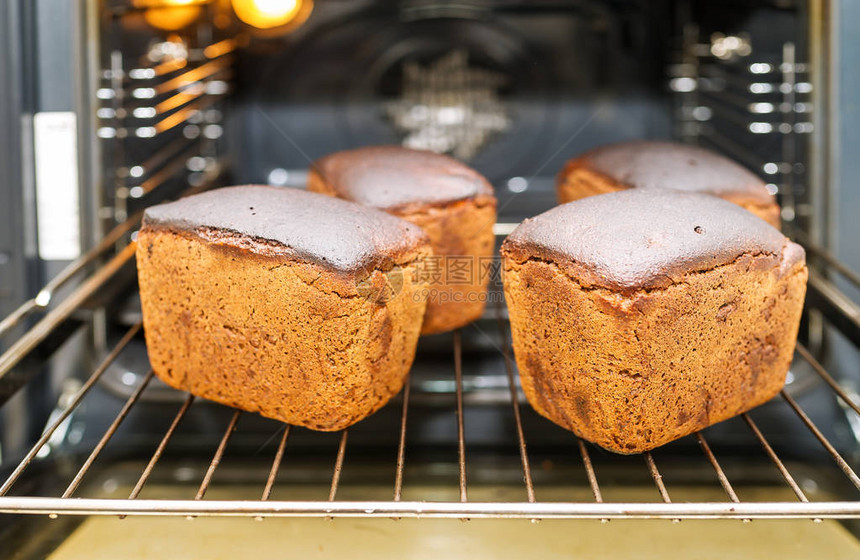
point(513, 91)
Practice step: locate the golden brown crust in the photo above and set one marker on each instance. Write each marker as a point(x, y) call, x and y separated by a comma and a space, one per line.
point(580, 178)
point(771, 213)
point(345, 238)
point(462, 238)
point(460, 229)
point(645, 238)
point(632, 372)
point(577, 181)
point(399, 179)
point(275, 335)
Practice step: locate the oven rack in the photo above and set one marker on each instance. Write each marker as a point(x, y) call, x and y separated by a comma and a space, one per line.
point(531, 508)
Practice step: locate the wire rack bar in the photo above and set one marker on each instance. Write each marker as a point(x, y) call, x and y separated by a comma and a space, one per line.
point(160, 69)
point(840, 310)
point(721, 475)
point(16, 316)
point(193, 76)
point(32, 338)
point(179, 99)
point(46, 294)
point(181, 116)
point(161, 176)
point(182, 98)
point(819, 369)
point(85, 388)
point(135, 492)
point(525, 510)
point(168, 153)
point(827, 257)
point(843, 464)
point(338, 466)
point(515, 403)
point(107, 435)
point(461, 438)
point(658, 478)
point(401, 445)
point(589, 471)
point(219, 453)
point(225, 46)
point(276, 463)
point(212, 51)
point(775, 459)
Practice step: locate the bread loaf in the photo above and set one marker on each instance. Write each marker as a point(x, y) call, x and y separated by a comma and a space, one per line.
point(665, 165)
point(298, 306)
point(645, 315)
point(454, 204)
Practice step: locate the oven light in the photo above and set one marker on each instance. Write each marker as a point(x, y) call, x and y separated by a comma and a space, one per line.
point(170, 15)
point(167, 3)
point(271, 14)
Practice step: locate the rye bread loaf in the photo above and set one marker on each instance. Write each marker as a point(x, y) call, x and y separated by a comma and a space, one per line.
point(665, 165)
point(298, 306)
point(642, 316)
point(453, 203)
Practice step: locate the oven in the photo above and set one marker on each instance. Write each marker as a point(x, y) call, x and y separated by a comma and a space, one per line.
point(109, 106)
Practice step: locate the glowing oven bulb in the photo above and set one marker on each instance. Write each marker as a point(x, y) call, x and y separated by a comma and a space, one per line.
point(268, 14)
point(170, 15)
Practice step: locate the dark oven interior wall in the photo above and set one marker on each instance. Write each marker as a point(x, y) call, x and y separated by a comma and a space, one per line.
point(570, 79)
point(573, 76)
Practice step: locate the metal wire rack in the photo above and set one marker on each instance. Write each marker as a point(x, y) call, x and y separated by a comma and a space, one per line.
point(153, 102)
point(531, 508)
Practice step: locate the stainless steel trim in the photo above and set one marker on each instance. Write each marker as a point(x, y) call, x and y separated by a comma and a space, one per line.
point(473, 510)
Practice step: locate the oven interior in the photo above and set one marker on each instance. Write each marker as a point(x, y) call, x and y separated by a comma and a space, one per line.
point(512, 88)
